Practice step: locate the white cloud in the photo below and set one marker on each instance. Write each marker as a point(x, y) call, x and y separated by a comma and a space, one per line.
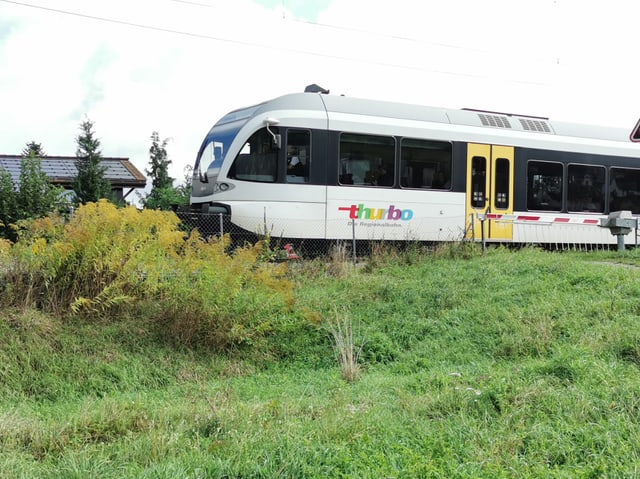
point(567, 59)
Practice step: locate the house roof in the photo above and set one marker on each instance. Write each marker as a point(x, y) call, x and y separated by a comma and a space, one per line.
point(61, 170)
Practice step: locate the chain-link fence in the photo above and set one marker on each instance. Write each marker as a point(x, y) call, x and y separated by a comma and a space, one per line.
point(285, 243)
point(359, 238)
point(304, 238)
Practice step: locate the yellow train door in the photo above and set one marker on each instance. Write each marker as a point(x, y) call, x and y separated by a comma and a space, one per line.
point(489, 190)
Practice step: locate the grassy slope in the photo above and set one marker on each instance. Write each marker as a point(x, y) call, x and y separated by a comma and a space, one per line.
point(515, 364)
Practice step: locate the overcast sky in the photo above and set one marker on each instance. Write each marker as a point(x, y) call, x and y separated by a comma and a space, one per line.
point(176, 66)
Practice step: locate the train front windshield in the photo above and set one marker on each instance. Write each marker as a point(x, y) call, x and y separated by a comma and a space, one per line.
point(215, 147)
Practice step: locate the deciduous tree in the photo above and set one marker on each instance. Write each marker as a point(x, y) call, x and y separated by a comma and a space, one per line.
point(8, 210)
point(159, 161)
point(33, 197)
point(36, 196)
point(163, 195)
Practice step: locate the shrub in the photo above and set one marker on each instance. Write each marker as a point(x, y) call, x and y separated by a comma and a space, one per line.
point(222, 300)
point(91, 262)
point(108, 259)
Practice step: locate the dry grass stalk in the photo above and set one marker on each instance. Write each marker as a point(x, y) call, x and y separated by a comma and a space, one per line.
point(348, 354)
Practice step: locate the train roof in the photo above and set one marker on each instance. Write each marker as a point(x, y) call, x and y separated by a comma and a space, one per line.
point(334, 104)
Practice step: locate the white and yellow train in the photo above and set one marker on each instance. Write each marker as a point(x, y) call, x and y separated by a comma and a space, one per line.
point(320, 166)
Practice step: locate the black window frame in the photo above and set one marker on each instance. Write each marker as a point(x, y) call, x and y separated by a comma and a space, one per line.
point(425, 173)
point(632, 204)
point(541, 196)
point(358, 166)
point(299, 172)
point(261, 165)
point(582, 192)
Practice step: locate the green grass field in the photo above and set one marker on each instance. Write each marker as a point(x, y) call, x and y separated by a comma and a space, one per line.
point(510, 364)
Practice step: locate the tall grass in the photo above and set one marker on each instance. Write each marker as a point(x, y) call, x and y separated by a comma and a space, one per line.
point(347, 351)
point(509, 364)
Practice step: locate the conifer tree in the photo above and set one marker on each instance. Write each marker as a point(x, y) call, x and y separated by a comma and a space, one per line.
point(90, 183)
point(35, 148)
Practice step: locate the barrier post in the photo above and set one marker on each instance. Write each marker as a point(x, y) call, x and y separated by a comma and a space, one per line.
point(620, 223)
point(483, 217)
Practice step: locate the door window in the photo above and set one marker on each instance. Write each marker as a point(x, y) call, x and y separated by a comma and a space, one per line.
point(478, 181)
point(501, 194)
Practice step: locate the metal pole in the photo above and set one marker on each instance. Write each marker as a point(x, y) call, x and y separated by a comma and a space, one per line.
point(221, 225)
point(483, 218)
point(473, 228)
point(353, 240)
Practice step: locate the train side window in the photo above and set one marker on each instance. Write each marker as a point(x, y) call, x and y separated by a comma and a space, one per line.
point(624, 189)
point(298, 156)
point(544, 186)
point(478, 181)
point(258, 159)
point(585, 188)
point(425, 164)
point(367, 160)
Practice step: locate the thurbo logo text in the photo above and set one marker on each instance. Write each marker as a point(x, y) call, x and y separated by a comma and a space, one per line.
point(359, 212)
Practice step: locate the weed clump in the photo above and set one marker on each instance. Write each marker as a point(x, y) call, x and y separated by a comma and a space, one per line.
point(107, 261)
point(345, 337)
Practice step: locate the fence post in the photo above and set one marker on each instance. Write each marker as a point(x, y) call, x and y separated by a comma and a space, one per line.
point(353, 240)
point(221, 224)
